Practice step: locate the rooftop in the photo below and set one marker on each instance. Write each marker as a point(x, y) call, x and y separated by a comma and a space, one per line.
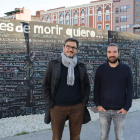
point(9, 13)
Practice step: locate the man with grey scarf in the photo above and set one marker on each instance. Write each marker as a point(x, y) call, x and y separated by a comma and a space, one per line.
point(66, 91)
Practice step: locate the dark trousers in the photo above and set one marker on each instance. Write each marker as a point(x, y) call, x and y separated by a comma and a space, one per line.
point(59, 115)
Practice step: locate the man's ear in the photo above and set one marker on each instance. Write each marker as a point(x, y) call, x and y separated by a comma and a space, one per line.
point(63, 48)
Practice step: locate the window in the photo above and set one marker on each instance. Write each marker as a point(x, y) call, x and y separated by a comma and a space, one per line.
point(67, 14)
point(137, 5)
point(117, 28)
point(82, 20)
point(61, 22)
point(128, 16)
point(48, 16)
point(99, 18)
point(137, 30)
point(67, 22)
point(43, 17)
point(61, 15)
point(99, 27)
point(76, 12)
point(117, 10)
point(107, 17)
point(99, 8)
point(117, 19)
point(116, 0)
point(123, 18)
point(137, 19)
point(107, 27)
point(128, 6)
point(137, 10)
point(128, 26)
point(123, 9)
point(137, 15)
point(107, 7)
point(123, 28)
point(75, 21)
point(82, 12)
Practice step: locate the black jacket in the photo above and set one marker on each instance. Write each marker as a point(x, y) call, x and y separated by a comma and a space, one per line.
point(50, 85)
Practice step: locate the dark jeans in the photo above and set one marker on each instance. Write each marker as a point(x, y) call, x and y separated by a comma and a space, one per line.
point(59, 115)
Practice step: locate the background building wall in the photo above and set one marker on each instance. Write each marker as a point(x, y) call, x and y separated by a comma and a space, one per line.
point(137, 16)
point(26, 15)
point(127, 10)
point(82, 15)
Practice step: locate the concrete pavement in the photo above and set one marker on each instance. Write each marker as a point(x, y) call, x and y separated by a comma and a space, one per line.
point(90, 131)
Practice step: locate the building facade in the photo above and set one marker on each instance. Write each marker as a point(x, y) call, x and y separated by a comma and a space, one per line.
point(37, 16)
point(19, 14)
point(123, 15)
point(137, 17)
point(96, 14)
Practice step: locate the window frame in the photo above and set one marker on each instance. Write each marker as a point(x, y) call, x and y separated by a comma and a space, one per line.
point(67, 13)
point(123, 29)
point(76, 12)
point(108, 18)
point(107, 7)
point(67, 21)
point(107, 25)
point(61, 15)
point(123, 9)
point(75, 20)
point(117, 19)
point(82, 11)
point(117, 12)
point(98, 18)
point(61, 21)
point(116, 28)
point(100, 26)
point(99, 8)
point(82, 20)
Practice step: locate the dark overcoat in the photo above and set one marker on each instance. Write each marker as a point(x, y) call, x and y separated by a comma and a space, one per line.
point(50, 85)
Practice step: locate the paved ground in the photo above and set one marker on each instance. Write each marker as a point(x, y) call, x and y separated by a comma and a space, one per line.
point(90, 131)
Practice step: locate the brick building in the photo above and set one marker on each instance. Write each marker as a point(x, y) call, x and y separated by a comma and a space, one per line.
point(96, 14)
point(37, 16)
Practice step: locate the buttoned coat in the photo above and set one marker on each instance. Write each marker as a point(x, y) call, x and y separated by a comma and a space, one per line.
point(50, 85)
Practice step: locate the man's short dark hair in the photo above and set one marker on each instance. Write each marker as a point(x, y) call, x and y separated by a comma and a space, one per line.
point(113, 44)
point(72, 39)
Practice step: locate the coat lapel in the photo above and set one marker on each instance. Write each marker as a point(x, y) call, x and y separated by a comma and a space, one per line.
point(57, 69)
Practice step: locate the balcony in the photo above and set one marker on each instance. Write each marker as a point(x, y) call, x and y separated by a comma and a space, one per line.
point(123, 10)
point(123, 19)
point(67, 17)
point(82, 15)
point(107, 11)
point(123, 29)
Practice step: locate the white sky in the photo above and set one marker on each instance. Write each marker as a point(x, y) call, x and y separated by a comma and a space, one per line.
point(35, 5)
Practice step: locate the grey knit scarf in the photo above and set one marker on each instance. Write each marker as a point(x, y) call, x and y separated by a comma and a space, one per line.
point(70, 63)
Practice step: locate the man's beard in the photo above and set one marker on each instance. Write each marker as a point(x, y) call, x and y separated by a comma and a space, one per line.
point(69, 56)
point(113, 61)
